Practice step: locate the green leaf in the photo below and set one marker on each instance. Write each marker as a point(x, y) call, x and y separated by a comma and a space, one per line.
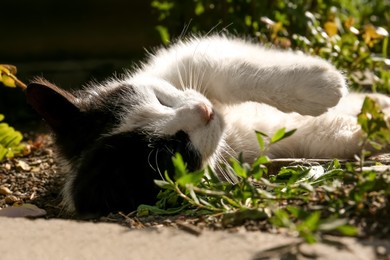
point(164, 34)
point(312, 221)
point(163, 184)
point(199, 8)
point(3, 152)
point(278, 135)
point(180, 166)
point(261, 161)
point(146, 210)
point(193, 178)
point(372, 121)
point(162, 5)
point(281, 134)
point(238, 169)
point(348, 230)
point(9, 141)
point(260, 139)
point(281, 218)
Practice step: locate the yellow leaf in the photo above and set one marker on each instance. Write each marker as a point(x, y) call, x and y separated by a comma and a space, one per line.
point(371, 34)
point(8, 68)
point(370, 31)
point(350, 22)
point(4, 69)
point(330, 28)
point(8, 81)
point(275, 29)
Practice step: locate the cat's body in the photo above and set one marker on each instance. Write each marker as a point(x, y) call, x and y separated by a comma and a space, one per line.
point(203, 98)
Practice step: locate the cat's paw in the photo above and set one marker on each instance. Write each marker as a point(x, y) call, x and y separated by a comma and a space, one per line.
point(321, 90)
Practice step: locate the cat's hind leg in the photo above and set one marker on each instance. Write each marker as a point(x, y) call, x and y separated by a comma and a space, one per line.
point(327, 136)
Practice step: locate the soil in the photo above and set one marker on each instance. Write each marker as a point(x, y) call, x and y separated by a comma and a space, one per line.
point(35, 180)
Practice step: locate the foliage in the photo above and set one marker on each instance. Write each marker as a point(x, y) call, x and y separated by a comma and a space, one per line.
point(8, 78)
point(6, 73)
point(376, 132)
point(341, 198)
point(353, 35)
point(10, 139)
point(309, 200)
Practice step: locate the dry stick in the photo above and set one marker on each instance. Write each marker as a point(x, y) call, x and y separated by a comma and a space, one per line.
point(10, 71)
point(18, 83)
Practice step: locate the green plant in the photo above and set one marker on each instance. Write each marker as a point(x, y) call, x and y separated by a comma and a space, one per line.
point(10, 139)
point(306, 200)
point(8, 78)
point(376, 132)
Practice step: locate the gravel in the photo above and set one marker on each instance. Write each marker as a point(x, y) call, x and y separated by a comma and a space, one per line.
point(34, 181)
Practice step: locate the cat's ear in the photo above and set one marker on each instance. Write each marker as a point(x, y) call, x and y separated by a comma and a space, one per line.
point(56, 106)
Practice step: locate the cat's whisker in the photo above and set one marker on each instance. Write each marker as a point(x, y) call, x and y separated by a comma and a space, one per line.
point(195, 82)
point(220, 161)
point(185, 30)
point(158, 168)
point(215, 26)
point(169, 150)
point(202, 84)
point(180, 75)
point(150, 164)
point(191, 74)
point(198, 79)
point(227, 171)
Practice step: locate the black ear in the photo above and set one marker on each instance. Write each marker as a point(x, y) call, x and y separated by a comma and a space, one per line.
point(55, 105)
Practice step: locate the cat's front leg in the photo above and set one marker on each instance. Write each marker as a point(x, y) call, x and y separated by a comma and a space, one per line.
point(234, 71)
point(298, 83)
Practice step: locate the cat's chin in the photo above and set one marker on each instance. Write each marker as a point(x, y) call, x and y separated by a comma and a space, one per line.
point(207, 139)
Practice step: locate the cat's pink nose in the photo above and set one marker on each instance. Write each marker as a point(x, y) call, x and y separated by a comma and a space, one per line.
point(205, 111)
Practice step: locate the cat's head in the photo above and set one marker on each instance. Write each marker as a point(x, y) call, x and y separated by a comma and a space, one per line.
point(114, 139)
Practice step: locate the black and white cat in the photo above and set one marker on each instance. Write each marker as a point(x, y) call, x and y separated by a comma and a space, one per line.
point(204, 98)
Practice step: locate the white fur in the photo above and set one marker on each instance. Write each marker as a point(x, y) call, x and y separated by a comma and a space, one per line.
point(247, 86)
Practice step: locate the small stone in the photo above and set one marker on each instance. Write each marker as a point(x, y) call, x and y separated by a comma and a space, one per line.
point(7, 166)
point(18, 193)
point(11, 199)
point(23, 165)
point(36, 169)
point(5, 191)
point(381, 250)
point(36, 162)
point(167, 221)
point(23, 210)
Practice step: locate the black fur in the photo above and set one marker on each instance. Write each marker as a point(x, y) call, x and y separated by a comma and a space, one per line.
point(110, 172)
point(118, 173)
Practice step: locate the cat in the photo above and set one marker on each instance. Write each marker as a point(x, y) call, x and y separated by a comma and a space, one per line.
point(203, 97)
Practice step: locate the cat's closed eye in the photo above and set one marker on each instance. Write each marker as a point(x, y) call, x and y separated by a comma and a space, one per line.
point(163, 102)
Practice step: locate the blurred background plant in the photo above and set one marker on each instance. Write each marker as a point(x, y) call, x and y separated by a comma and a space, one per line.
point(353, 35)
point(10, 139)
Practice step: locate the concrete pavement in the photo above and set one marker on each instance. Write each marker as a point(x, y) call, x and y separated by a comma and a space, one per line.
point(65, 239)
